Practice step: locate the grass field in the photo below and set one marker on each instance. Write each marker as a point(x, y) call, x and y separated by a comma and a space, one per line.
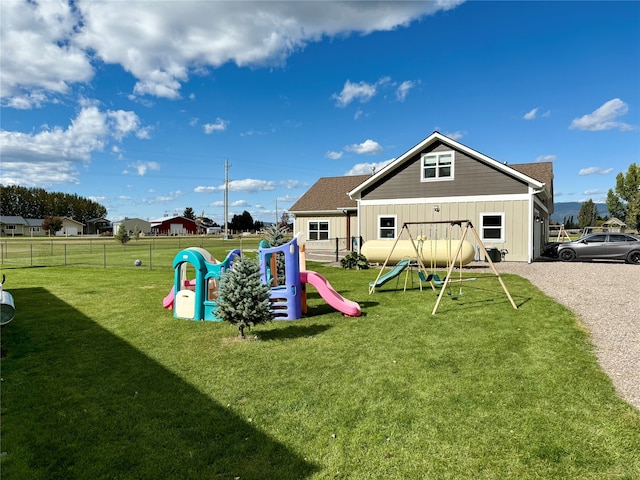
point(100, 382)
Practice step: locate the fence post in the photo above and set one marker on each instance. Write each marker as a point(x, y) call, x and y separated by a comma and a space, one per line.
point(65, 254)
point(337, 248)
point(104, 255)
point(31, 254)
point(150, 267)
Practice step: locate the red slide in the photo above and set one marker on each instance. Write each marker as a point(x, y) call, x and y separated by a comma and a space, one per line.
point(326, 291)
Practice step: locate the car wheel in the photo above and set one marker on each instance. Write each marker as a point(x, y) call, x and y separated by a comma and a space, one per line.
point(567, 255)
point(634, 257)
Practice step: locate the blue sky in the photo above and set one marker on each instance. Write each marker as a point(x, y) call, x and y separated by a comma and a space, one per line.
point(139, 104)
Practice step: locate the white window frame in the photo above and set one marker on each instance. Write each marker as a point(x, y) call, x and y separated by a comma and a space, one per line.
point(318, 230)
point(380, 227)
point(501, 227)
point(437, 166)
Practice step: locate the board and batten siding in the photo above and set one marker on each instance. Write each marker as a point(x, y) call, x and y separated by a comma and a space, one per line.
point(337, 228)
point(516, 218)
point(471, 177)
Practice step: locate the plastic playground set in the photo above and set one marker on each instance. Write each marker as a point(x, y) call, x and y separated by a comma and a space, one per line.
point(195, 299)
point(283, 268)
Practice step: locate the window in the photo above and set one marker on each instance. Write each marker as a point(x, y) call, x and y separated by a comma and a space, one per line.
point(318, 230)
point(492, 227)
point(387, 226)
point(437, 166)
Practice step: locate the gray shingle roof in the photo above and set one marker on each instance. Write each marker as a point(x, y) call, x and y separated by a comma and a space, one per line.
point(329, 193)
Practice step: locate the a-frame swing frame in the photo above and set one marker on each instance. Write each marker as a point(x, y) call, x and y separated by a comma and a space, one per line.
point(467, 226)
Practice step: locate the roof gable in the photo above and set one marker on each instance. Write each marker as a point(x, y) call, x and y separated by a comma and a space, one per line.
point(437, 137)
point(329, 194)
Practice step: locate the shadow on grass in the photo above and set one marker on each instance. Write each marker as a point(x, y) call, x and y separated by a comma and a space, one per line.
point(79, 402)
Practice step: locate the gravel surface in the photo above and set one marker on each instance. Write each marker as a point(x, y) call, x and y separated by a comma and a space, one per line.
point(606, 297)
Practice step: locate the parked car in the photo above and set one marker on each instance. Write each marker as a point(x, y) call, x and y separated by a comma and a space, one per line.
point(601, 246)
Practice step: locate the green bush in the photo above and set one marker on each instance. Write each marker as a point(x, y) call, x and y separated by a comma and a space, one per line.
point(355, 260)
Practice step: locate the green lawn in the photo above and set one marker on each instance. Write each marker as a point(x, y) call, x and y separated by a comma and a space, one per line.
point(100, 382)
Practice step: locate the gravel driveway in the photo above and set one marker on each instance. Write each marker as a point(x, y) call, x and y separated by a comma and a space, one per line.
point(606, 297)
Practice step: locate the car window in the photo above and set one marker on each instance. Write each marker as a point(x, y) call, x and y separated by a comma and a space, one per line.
point(596, 238)
point(619, 238)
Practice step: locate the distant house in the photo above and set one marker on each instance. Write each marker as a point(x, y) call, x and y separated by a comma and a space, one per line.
point(97, 226)
point(70, 227)
point(614, 225)
point(133, 224)
point(439, 179)
point(14, 225)
point(20, 226)
point(176, 225)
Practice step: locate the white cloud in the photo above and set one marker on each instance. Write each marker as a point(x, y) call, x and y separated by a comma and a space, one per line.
point(239, 203)
point(362, 92)
point(403, 90)
point(251, 185)
point(593, 170)
point(604, 118)
point(203, 189)
point(593, 192)
point(141, 168)
point(291, 184)
point(246, 185)
point(49, 156)
point(334, 155)
point(531, 114)
point(368, 147)
point(219, 126)
point(545, 158)
point(455, 135)
point(171, 196)
point(49, 46)
point(287, 198)
point(368, 168)
point(38, 56)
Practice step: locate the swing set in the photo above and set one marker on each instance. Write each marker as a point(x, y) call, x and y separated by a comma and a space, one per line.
point(432, 277)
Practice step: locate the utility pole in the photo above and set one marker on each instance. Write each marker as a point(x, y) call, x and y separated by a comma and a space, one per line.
point(226, 199)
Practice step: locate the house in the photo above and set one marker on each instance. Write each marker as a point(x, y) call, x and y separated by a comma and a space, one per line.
point(15, 225)
point(614, 225)
point(131, 225)
point(20, 226)
point(176, 225)
point(326, 213)
point(70, 227)
point(97, 226)
point(439, 179)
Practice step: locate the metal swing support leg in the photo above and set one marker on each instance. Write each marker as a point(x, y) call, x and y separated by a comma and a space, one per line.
point(468, 226)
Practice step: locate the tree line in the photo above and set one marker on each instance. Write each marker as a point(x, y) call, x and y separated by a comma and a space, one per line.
point(623, 203)
point(38, 203)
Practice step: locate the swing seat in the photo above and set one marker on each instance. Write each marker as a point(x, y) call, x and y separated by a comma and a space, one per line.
point(432, 277)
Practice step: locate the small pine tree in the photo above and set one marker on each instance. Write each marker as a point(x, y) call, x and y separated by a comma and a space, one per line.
point(122, 236)
point(275, 235)
point(243, 299)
